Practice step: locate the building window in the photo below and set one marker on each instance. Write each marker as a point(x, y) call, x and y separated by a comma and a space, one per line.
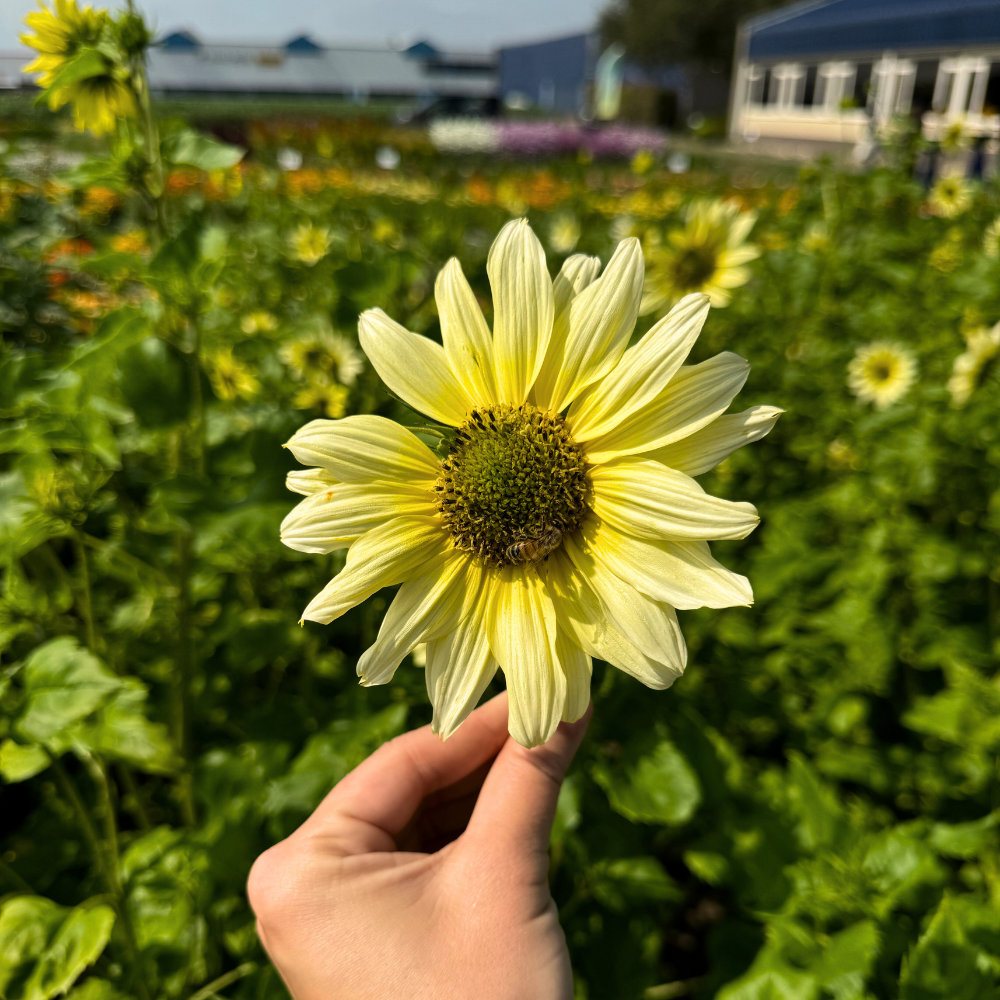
point(809, 91)
point(991, 103)
point(862, 83)
point(923, 86)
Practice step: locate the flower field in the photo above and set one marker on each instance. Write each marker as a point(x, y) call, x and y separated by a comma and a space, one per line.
point(810, 812)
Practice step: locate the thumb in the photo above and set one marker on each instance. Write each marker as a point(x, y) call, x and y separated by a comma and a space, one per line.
point(517, 804)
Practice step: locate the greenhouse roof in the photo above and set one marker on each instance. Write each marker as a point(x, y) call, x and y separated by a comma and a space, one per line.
point(842, 27)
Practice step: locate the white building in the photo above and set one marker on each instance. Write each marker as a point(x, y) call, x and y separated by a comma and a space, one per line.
point(823, 70)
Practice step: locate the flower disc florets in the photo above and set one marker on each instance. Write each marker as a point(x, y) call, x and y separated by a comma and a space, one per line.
point(513, 484)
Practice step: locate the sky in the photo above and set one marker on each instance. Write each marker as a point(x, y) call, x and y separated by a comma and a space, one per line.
point(461, 24)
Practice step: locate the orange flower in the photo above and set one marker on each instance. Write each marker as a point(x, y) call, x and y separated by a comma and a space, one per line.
point(99, 201)
point(182, 181)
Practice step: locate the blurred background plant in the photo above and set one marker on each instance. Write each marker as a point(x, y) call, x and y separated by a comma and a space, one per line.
point(812, 812)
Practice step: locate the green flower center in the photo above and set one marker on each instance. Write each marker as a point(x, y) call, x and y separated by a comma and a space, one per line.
point(694, 265)
point(513, 485)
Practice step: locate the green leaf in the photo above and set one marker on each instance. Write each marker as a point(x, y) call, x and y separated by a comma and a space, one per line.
point(64, 683)
point(659, 787)
point(95, 358)
point(19, 762)
point(623, 882)
point(820, 815)
point(44, 947)
point(848, 959)
point(77, 943)
point(87, 62)
point(709, 866)
point(964, 840)
point(120, 729)
point(197, 150)
point(771, 978)
point(330, 755)
point(94, 988)
point(944, 964)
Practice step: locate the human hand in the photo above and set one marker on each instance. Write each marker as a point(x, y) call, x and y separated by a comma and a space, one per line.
point(424, 873)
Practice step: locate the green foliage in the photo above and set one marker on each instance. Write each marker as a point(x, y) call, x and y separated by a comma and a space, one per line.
point(810, 813)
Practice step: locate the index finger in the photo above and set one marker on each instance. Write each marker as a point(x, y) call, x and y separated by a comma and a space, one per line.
point(367, 809)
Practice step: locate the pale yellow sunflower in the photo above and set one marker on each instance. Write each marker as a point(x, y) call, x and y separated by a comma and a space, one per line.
point(258, 321)
point(309, 243)
point(881, 373)
point(708, 255)
point(563, 522)
point(230, 377)
point(59, 35)
point(322, 355)
point(328, 399)
point(950, 196)
point(982, 346)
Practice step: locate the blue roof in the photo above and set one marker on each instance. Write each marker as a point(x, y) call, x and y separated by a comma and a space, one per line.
point(853, 26)
point(303, 44)
point(180, 40)
point(422, 50)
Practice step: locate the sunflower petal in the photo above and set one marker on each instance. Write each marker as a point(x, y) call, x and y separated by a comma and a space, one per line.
point(459, 668)
point(577, 666)
point(588, 343)
point(574, 276)
point(522, 309)
point(365, 449)
point(414, 368)
point(694, 397)
point(583, 616)
point(705, 449)
point(308, 481)
point(392, 553)
point(468, 345)
point(337, 517)
point(423, 609)
point(681, 574)
point(521, 623)
point(649, 500)
point(642, 373)
point(651, 626)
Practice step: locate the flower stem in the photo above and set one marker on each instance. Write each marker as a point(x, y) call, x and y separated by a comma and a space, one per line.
point(224, 980)
point(85, 603)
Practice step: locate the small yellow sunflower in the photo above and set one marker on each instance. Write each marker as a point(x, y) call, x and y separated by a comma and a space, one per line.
point(562, 521)
point(230, 377)
point(881, 373)
point(950, 196)
point(322, 356)
point(982, 346)
point(708, 255)
point(133, 241)
point(258, 321)
point(564, 233)
point(310, 243)
point(330, 400)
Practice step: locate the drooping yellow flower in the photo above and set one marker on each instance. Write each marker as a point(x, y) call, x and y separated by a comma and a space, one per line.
point(328, 399)
point(563, 521)
point(881, 373)
point(60, 33)
point(708, 255)
point(982, 346)
point(950, 196)
point(323, 356)
point(310, 243)
point(230, 377)
point(98, 100)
